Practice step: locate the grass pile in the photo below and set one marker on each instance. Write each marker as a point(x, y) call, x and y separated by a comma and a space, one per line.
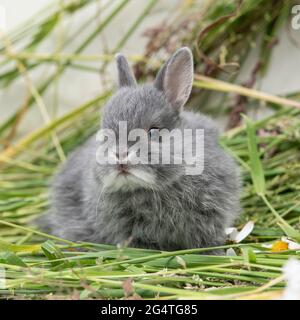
point(41, 266)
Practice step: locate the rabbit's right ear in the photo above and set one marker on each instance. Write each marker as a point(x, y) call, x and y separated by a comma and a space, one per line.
point(126, 77)
point(175, 78)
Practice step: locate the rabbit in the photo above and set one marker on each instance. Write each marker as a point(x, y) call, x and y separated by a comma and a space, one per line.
point(152, 206)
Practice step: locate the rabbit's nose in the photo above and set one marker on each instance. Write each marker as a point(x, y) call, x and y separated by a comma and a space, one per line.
point(122, 168)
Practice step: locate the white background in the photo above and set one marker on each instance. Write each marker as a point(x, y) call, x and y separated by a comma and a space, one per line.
point(282, 77)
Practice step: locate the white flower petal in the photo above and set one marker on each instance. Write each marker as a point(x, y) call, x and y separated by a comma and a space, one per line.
point(291, 273)
point(247, 229)
point(230, 252)
point(232, 233)
point(294, 246)
point(228, 231)
point(291, 244)
point(267, 245)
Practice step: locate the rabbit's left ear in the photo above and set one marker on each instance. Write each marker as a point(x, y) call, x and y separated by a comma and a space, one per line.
point(175, 78)
point(125, 74)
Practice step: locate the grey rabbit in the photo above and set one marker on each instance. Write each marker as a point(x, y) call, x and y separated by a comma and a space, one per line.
point(155, 206)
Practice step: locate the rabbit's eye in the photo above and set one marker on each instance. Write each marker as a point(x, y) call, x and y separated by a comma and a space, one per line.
point(153, 132)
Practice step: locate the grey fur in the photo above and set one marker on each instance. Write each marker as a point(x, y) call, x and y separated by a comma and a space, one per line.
point(175, 77)
point(177, 211)
point(126, 77)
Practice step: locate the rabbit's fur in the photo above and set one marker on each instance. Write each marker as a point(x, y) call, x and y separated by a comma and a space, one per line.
point(157, 206)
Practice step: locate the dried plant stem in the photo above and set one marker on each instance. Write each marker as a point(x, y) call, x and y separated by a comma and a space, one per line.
point(218, 85)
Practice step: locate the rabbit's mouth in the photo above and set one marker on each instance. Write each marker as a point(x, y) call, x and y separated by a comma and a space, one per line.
point(124, 178)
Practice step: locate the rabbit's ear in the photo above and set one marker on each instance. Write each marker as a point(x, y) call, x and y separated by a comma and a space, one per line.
point(126, 77)
point(175, 78)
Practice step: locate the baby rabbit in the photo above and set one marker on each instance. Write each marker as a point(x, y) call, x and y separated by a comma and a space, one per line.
point(155, 206)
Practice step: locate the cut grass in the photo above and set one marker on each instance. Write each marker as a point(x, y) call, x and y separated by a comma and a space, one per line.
point(40, 266)
point(36, 268)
